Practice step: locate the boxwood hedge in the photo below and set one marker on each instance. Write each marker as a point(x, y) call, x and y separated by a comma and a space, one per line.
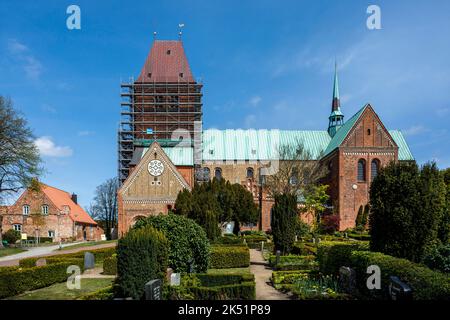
point(229, 257)
point(331, 255)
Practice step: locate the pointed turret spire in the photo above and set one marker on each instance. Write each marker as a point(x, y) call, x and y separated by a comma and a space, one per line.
point(336, 118)
point(336, 104)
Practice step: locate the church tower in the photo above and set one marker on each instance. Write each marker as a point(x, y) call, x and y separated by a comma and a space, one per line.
point(336, 118)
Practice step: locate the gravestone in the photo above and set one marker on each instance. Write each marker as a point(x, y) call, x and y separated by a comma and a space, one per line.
point(398, 290)
point(89, 260)
point(296, 238)
point(175, 279)
point(262, 246)
point(277, 257)
point(153, 290)
point(41, 262)
point(347, 280)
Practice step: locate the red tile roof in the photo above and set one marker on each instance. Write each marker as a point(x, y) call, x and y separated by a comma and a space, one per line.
point(62, 198)
point(166, 62)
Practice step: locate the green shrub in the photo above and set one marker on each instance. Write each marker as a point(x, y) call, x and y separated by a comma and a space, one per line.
point(284, 222)
point(291, 259)
point(255, 238)
point(304, 248)
point(229, 257)
point(425, 283)
point(285, 279)
point(438, 258)
point(110, 265)
point(357, 236)
point(187, 240)
point(102, 294)
point(253, 232)
point(14, 282)
point(331, 255)
point(11, 236)
point(213, 287)
point(141, 257)
point(228, 239)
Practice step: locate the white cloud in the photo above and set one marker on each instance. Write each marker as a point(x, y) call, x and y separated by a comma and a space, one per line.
point(415, 130)
point(254, 101)
point(31, 66)
point(48, 148)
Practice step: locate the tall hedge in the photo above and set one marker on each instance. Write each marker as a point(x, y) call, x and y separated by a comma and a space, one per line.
point(142, 255)
point(284, 222)
point(187, 241)
point(407, 209)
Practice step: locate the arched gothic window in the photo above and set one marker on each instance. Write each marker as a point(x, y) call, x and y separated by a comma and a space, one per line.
point(362, 170)
point(374, 168)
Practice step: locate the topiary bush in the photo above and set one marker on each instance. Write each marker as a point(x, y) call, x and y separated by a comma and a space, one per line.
point(12, 236)
point(229, 257)
point(142, 255)
point(438, 258)
point(187, 241)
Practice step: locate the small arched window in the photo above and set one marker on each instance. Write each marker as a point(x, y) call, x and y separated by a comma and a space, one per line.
point(362, 170)
point(206, 174)
point(374, 168)
point(26, 210)
point(44, 210)
point(218, 173)
point(250, 173)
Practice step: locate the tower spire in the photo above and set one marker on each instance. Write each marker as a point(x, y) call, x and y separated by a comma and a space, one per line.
point(336, 104)
point(336, 118)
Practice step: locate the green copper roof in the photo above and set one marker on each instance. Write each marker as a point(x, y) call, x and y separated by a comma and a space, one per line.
point(343, 131)
point(180, 156)
point(403, 150)
point(253, 145)
point(259, 144)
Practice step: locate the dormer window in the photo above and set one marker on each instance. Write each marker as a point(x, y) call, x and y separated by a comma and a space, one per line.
point(26, 210)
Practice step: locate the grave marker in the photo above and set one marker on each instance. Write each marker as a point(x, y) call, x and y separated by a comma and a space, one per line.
point(399, 290)
point(89, 260)
point(347, 280)
point(41, 262)
point(153, 290)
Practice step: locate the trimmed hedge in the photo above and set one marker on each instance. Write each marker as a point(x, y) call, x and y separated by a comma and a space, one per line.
point(102, 294)
point(214, 287)
point(228, 239)
point(425, 283)
point(222, 257)
point(99, 254)
point(14, 282)
point(110, 265)
point(331, 255)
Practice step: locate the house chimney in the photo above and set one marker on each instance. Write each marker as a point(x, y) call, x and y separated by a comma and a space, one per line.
point(74, 198)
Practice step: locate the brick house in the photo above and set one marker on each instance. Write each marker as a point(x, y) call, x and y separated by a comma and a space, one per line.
point(51, 213)
point(352, 150)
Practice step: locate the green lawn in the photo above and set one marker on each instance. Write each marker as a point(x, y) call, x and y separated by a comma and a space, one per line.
point(59, 291)
point(229, 271)
point(9, 251)
point(86, 244)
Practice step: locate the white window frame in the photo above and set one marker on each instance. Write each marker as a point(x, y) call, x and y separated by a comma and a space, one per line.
point(51, 233)
point(17, 227)
point(26, 210)
point(44, 210)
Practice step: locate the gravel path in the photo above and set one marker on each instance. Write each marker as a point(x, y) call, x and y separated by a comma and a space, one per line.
point(259, 267)
point(13, 260)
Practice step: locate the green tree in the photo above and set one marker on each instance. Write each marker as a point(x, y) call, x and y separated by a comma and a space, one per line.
point(407, 208)
point(444, 229)
point(284, 222)
point(316, 198)
point(19, 156)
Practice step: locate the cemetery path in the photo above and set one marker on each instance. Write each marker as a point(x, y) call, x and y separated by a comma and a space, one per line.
point(260, 268)
point(13, 260)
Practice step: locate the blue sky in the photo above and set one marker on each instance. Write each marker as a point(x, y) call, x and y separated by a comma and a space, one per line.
point(264, 64)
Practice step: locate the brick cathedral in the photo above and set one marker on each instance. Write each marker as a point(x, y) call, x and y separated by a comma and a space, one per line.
point(163, 147)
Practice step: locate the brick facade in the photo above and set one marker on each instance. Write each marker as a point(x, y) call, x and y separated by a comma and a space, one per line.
point(53, 222)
